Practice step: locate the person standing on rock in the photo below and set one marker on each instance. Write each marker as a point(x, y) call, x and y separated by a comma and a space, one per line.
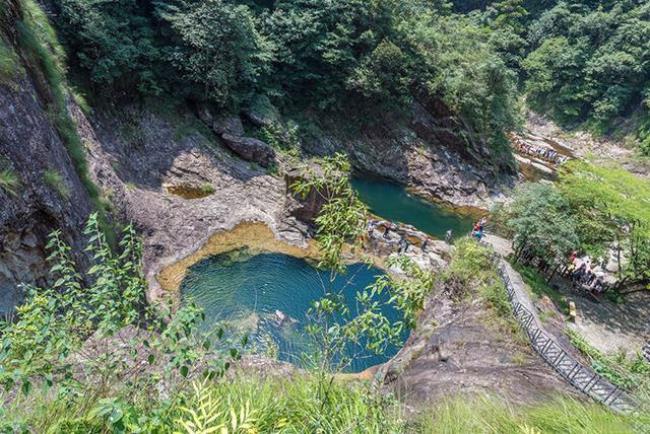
point(448, 236)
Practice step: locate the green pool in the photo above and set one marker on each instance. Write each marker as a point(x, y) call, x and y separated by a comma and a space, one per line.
point(392, 202)
point(267, 296)
point(244, 293)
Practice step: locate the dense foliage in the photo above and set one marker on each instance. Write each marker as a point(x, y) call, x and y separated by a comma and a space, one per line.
point(595, 210)
point(590, 63)
point(360, 57)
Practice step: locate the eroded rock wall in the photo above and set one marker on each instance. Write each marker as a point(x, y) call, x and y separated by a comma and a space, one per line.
point(427, 152)
point(47, 193)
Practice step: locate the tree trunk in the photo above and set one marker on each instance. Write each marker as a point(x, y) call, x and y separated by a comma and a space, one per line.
point(553, 273)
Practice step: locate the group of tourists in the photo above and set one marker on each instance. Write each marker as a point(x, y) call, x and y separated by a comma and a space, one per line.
point(539, 151)
point(584, 274)
point(479, 229)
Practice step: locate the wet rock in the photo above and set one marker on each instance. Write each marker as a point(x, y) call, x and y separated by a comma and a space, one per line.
point(250, 149)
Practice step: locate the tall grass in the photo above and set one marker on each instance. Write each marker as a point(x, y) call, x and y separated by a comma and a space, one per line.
point(492, 416)
point(631, 373)
point(539, 287)
point(39, 41)
point(254, 404)
point(251, 404)
point(9, 66)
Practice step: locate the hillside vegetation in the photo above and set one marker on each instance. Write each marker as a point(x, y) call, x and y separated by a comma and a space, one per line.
point(87, 352)
point(581, 62)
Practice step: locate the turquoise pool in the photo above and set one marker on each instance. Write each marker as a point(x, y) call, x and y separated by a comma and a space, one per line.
point(392, 202)
point(244, 292)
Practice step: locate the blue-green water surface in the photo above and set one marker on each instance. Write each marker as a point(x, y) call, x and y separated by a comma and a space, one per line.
point(392, 202)
point(245, 292)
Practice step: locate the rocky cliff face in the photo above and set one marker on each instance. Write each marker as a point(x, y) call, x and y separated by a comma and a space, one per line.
point(46, 193)
point(139, 158)
point(456, 349)
point(426, 152)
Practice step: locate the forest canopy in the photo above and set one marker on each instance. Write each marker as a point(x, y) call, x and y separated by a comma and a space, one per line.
point(584, 63)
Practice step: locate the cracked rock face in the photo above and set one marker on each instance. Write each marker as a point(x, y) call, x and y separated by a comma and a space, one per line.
point(29, 148)
point(137, 175)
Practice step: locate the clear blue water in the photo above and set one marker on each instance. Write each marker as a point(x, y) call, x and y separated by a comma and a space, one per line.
point(392, 202)
point(245, 292)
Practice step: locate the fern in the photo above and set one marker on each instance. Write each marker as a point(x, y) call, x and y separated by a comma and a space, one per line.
point(208, 414)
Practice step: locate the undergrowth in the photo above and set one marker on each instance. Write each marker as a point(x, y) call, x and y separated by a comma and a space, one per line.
point(54, 179)
point(630, 373)
point(472, 270)
point(9, 181)
point(490, 415)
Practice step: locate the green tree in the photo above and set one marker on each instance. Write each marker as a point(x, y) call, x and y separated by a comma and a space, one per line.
point(589, 64)
point(542, 224)
point(383, 77)
point(611, 207)
point(113, 40)
point(454, 63)
point(320, 43)
point(218, 50)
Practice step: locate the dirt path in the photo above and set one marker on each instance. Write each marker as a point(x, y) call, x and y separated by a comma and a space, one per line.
point(613, 327)
point(607, 326)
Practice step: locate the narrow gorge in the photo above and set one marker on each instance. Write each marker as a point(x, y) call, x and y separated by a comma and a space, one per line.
point(254, 216)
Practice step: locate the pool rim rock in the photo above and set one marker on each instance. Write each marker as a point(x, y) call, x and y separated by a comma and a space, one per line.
point(256, 236)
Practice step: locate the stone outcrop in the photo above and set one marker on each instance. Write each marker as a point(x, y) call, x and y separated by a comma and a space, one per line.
point(231, 131)
point(250, 149)
point(455, 350)
point(385, 239)
point(308, 206)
